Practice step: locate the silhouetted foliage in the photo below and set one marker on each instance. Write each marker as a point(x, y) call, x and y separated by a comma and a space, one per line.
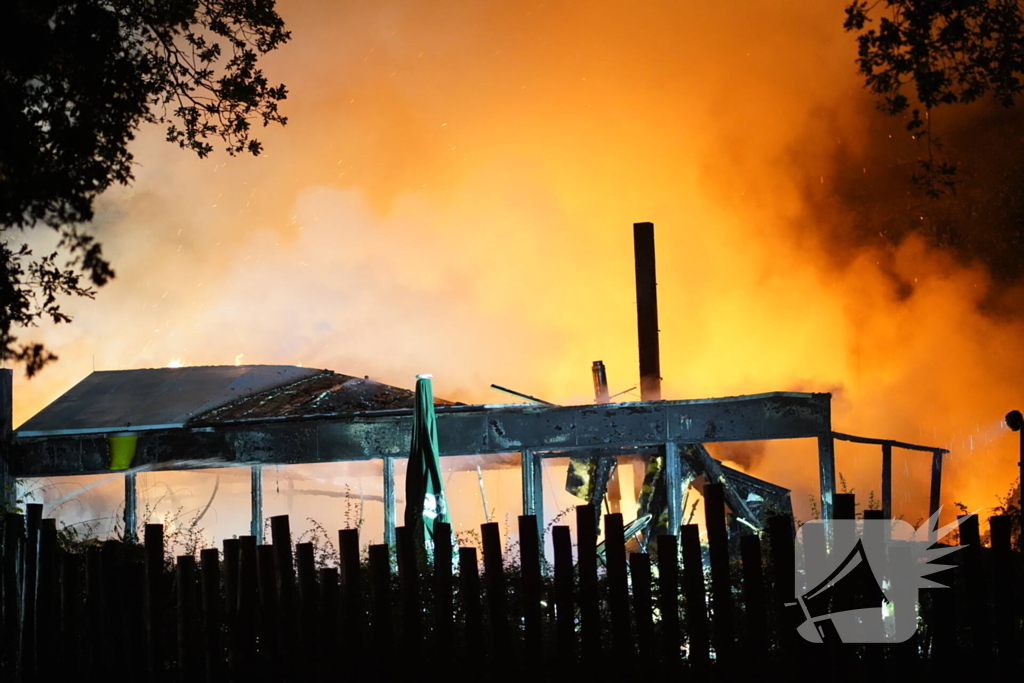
point(77, 79)
point(926, 53)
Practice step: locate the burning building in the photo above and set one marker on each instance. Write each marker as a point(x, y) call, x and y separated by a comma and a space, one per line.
point(241, 423)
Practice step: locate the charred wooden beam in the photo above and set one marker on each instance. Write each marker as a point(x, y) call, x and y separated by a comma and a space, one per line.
point(462, 430)
point(936, 488)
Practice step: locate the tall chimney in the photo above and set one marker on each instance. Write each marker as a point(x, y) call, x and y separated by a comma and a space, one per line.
point(647, 312)
point(600, 382)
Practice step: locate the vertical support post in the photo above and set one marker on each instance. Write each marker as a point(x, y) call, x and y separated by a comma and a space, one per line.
point(827, 469)
point(389, 501)
point(936, 493)
point(533, 492)
point(131, 508)
point(256, 520)
point(674, 482)
point(887, 480)
point(6, 428)
point(647, 312)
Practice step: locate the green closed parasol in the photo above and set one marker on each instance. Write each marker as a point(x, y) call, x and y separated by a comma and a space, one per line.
point(424, 492)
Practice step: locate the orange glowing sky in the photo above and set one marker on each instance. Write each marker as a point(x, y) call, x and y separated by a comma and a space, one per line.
point(454, 194)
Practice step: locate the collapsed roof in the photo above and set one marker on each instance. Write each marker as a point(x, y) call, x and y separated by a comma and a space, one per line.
point(162, 398)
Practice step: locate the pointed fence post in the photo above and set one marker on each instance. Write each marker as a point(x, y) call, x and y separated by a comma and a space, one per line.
point(529, 563)
point(643, 609)
point(754, 602)
point(380, 578)
point(327, 642)
point(189, 659)
point(618, 592)
point(246, 599)
point(721, 584)
point(565, 608)
point(154, 544)
point(469, 596)
point(351, 595)
point(494, 584)
point(209, 570)
point(408, 577)
point(444, 616)
point(586, 562)
point(698, 625)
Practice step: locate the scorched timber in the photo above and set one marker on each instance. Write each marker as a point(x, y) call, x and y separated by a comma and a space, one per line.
point(462, 430)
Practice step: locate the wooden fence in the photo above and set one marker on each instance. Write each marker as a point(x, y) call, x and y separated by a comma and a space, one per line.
point(266, 612)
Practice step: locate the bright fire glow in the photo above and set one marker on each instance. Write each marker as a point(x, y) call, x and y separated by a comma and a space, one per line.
point(455, 191)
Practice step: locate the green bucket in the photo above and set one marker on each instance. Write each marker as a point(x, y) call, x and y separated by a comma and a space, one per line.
point(122, 450)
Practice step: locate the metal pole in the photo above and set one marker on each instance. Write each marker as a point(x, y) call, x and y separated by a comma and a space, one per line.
point(256, 490)
point(389, 501)
point(827, 470)
point(533, 494)
point(131, 507)
point(674, 482)
point(933, 503)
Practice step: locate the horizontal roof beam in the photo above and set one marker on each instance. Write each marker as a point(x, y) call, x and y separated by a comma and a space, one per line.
point(498, 429)
point(887, 442)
